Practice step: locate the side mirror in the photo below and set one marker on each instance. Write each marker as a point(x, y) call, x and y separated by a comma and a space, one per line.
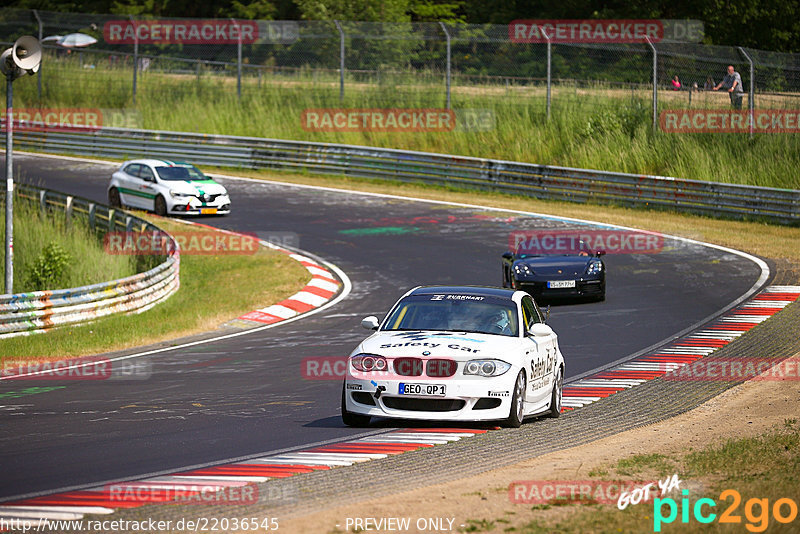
point(541, 330)
point(508, 255)
point(370, 323)
point(600, 252)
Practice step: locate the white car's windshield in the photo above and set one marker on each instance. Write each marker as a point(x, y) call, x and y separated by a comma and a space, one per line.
point(180, 173)
point(455, 313)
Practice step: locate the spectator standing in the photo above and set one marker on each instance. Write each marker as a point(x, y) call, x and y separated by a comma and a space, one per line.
point(733, 83)
point(709, 85)
point(676, 83)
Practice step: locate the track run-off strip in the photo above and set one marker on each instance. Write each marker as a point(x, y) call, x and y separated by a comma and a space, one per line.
point(236, 481)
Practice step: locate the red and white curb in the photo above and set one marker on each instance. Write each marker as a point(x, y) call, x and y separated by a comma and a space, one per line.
point(321, 289)
point(682, 351)
point(323, 286)
point(198, 484)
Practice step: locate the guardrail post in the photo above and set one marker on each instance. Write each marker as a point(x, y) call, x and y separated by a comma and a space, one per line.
point(129, 224)
point(39, 73)
point(68, 211)
point(112, 213)
point(655, 82)
point(341, 60)
point(135, 55)
point(92, 210)
point(750, 97)
point(447, 76)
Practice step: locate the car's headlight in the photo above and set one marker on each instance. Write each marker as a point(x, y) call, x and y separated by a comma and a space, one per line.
point(594, 267)
point(369, 362)
point(177, 194)
point(486, 367)
point(523, 269)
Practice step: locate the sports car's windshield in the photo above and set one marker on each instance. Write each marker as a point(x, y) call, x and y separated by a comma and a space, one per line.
point(176, 174)
point(455, 313)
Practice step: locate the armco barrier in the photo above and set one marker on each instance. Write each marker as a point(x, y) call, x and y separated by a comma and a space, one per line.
point(539, 181)
point(27, 313)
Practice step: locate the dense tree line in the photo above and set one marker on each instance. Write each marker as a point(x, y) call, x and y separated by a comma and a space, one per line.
point(765, 24)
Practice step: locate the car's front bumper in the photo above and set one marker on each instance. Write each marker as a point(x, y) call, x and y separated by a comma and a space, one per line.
point(583, 288)
point(482, 399)
point(221, 205)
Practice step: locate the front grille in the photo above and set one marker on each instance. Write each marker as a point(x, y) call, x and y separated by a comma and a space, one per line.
point(438, 367)
point(423, 405)
point(207, 198)
point(408, 366)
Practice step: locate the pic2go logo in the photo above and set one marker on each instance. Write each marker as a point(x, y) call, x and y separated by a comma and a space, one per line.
point(756, 511)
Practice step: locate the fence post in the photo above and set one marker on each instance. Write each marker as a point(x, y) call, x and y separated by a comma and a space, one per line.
point(39, 73)
point(655, 82)
point(238, 59)
point(549, 59)
point(341, 60)
point(135, 55)
point(447, 36)
point(750, 102)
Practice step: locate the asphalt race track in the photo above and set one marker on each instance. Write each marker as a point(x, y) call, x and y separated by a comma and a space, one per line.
point(247, 395)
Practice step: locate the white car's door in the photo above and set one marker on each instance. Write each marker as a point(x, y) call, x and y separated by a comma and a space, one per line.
point(540, 354)
point(127, 178)
point(147, 187)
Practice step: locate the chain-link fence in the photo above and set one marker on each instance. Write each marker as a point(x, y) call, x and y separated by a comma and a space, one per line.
point(430, 60)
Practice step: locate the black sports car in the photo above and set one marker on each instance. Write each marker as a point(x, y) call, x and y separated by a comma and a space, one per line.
point(580, 275)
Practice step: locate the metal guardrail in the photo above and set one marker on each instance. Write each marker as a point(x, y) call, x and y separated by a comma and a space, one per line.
point(539, 181)
point(39, 311)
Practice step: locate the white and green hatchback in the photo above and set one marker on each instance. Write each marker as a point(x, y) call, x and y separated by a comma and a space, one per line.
point(167, 188)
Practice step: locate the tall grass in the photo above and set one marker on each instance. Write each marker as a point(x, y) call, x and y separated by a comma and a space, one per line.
point(85, 261)
point(591, 127)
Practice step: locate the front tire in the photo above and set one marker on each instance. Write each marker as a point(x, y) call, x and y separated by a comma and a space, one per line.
point(557, 395)
point(515, 413)
point(113, 198)
point(160, 206)
point(353, 419)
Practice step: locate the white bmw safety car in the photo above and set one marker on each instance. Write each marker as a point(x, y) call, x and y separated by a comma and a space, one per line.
point(167, 187)
point(456, 354)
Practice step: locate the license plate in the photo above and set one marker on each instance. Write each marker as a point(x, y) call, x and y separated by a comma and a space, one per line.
point(208, 211)
point(432, 390)
point(559, 284)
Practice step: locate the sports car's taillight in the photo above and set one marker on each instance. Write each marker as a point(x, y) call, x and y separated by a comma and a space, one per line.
point(369, 362)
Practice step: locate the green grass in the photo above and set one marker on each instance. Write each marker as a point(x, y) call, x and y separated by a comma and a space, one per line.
point(85, 263)
point(214, 289)
point(762, 467)
point(596, 128)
